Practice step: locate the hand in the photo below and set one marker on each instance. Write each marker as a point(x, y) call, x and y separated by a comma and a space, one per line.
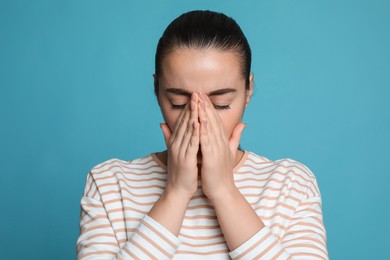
point(183, 146)
point(218, 153)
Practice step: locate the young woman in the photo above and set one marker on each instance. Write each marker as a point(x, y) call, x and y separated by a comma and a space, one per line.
point(203, 197)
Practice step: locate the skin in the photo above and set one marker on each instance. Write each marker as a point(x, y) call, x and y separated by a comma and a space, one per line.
point(211, 71)
point(202, 139)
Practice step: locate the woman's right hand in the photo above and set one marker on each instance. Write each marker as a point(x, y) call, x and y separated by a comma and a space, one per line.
point(183, 145)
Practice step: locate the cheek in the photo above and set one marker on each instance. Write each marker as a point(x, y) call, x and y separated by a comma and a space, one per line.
point(232, 117)
point(170, 116)
point(229, 121)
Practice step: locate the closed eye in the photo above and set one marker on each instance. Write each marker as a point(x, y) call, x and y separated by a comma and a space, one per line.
point(174, 106)
point(221, 107)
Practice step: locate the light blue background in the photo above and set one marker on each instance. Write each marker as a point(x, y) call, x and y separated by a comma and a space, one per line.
point(76, 90)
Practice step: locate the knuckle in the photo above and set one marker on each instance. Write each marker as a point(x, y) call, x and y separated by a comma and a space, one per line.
point(180, 123)
point(188, 131)
point(174, 147)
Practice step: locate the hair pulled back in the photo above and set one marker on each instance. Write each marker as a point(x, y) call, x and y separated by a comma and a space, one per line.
point(201, 30)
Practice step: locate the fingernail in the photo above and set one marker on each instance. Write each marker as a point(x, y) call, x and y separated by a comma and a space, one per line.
point(192, 104)
point(202, 105)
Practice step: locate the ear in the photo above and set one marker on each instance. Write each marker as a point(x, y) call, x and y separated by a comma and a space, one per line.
point(155, 83)
point(249, 91)
point(156, 88)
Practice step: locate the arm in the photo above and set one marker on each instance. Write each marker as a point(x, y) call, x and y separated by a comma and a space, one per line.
point(244, 231)
point(248, 238)
point(236, 217)
point(169, 211)
point(150, 239)
point(156, 235)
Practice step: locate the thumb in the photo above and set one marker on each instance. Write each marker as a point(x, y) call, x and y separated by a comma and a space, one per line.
point(166, 132)
point(234, 140)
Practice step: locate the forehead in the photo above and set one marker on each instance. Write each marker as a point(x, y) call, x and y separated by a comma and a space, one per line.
point(202, 70)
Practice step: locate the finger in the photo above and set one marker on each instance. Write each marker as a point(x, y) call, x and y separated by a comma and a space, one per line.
point(166, 132)
point(215, 117)
point(179, 122)
point(191, 140)
point(234, 140)
point(214, 122)
point(204, 136)
point(179, 119)
point(193, 145)
point(204, 131)
point(188, 132)
point(182, 126)
point(203, 116)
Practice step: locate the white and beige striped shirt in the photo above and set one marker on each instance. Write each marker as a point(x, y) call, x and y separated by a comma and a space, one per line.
point(114, 221)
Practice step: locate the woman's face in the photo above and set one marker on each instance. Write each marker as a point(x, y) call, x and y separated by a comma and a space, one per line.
point(213, 72)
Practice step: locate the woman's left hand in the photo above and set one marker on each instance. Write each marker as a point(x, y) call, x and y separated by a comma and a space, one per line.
point(218, 153)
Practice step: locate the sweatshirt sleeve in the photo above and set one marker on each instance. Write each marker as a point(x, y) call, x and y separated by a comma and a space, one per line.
point(305, 236)
point(97, 239)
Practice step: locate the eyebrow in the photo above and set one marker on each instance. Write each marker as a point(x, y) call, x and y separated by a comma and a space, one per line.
point(182, 92)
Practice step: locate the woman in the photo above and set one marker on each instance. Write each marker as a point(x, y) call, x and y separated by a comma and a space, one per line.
point(203, 197)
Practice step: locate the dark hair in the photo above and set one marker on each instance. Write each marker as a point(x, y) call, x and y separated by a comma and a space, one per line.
point(204, 29)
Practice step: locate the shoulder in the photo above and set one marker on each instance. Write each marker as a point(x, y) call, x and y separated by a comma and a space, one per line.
point(114, 168)
point(296, 167)
point(285, 164)
point(285, 170)
point(107, 179)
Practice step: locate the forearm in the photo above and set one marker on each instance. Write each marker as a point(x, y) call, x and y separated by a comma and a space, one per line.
point(169, 211)
point(248, 237)
point(236, 217)
point(99, 240)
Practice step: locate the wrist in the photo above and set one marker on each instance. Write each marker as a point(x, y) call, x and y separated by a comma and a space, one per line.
point(177, 196)
point(227, 194)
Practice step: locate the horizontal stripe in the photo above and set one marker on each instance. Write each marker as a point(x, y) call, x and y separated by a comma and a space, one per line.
point(253, 246)
point(126, 190)
point(225, 251)
point(99, 253)
point(154, 244)
point(307, 246)
point(119, 194)
point(120, 175)
point(159, 234)
point(197, 237)
point(204, 244)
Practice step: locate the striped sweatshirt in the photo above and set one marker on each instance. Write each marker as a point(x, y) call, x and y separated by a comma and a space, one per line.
point(114, 220)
